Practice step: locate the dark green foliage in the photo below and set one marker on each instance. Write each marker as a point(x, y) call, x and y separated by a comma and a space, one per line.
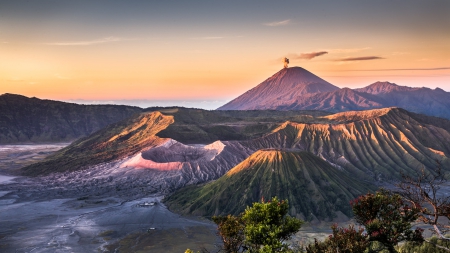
point(386, 218)
point(263, 227)
point(231, 231)
point(267, 226)
point(387, 221)
point(428, 247)
point(343, 240)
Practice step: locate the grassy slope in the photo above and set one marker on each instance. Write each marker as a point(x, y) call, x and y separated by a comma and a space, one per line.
point(312, 186)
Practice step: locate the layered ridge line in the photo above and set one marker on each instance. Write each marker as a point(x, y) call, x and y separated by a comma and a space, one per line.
point(382, 146)
point(314, 188)
point(374, 145)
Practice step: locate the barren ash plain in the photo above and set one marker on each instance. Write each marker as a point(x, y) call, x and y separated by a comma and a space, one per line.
point(78, 212)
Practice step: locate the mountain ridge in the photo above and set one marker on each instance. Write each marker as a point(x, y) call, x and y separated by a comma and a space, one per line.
point(314, 188)
point(30, 120)
point(116, 141)
point(377, 95)
point(376, 144)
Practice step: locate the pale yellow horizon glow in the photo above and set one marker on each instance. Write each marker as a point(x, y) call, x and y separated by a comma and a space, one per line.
point(213, 61)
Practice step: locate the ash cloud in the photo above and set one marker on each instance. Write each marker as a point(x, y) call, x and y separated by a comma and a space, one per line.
point(308, 56)
point(408, 69)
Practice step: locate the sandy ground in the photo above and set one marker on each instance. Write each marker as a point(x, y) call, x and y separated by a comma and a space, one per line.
point(72, 213)
point(13, 157)
point(58, 226)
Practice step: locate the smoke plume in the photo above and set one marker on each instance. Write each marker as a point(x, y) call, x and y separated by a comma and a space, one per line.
point(309, 56)
point(286, 62)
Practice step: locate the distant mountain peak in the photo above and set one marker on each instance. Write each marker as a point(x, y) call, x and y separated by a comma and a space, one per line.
point(385, 83)
point(280, 89)
point(11, 95)
point(383, 87)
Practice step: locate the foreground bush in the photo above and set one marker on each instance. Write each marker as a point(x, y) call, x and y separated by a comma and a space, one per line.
point(387, 220)
point(264, 227)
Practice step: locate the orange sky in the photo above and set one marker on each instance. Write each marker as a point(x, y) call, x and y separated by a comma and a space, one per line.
point(168, 51)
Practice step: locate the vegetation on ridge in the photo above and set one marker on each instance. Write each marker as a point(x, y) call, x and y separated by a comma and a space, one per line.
point(313, 187)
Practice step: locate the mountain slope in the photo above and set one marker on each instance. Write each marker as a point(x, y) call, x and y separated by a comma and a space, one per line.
point(336, 101)
point(25, 119)
point(144, 133)
point(113, 142)
point(377, 144)
point(313, 187)
point(280, 89)
point(196, 126)
point(420, 100)
point(373, 145)
point(297, 89)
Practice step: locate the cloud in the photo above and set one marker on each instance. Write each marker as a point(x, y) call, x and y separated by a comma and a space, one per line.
point(308, 56)
point(87, 42)
point(279, 23)
point(363, 58)
point(346, 50)
point(407, 69)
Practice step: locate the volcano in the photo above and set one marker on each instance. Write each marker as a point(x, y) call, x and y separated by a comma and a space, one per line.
point(298, 89)
point(281, 89)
